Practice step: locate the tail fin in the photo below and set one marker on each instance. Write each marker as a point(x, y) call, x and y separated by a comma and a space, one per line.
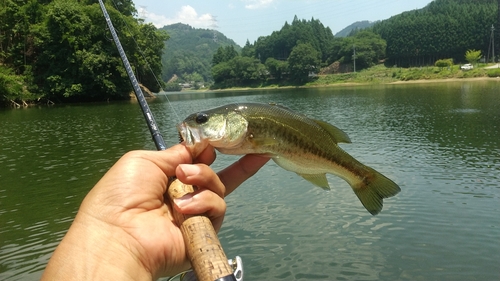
point(372, 190)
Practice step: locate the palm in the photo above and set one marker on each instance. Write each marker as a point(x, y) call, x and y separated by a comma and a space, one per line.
point(143, 215)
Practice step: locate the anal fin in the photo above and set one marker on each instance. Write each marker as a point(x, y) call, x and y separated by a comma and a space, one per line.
point(317, 179)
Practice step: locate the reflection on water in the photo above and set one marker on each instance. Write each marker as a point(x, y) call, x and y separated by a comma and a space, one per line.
point(439, 142)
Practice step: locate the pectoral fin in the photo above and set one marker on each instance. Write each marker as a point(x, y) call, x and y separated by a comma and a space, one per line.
point(317, 179)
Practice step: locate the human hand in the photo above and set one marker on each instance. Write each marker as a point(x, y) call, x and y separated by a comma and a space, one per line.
point(125, 229)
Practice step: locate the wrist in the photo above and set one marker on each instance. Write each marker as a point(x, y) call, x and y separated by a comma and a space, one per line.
point(95, 253)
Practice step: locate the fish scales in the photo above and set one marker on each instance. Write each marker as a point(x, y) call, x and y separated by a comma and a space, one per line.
point(295, 142)
point(278, 123)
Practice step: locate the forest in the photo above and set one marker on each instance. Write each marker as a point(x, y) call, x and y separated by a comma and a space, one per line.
point(292, 55)
point(61, 51)
point(444, 29)
point(56, 51)
point(188, 54)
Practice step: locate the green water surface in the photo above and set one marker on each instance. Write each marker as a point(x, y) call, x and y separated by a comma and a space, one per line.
point(440, 142)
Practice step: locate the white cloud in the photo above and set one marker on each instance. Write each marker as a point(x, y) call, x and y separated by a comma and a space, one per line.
point(257, 4)
point(186, 15)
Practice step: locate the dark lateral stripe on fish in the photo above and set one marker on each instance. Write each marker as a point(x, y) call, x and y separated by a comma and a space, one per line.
point(297, 142)
point(305, 146)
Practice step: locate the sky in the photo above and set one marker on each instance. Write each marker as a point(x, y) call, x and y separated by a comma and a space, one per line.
point(243, 20)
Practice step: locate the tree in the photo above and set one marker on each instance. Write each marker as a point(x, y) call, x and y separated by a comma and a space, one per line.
point(59, 48)
point(221, 72)
point(146, 54)
point(444, 63)
point(172, 87)
point(63, 48)
point(276, 68)
point(472, 56)
point(248, 50)
point(11, 86)
point(280, 43)
point(194, 77)
point(442, 29)
point(224, 54)
point(247, 70)
point(303, 60)
point(239, 71)
point(370, 49)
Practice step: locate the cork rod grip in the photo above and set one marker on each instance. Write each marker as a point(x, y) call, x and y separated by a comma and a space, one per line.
point(202, 244)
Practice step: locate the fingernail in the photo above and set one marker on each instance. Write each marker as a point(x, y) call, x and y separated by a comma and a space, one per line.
point(189, 170)
point(184, 200)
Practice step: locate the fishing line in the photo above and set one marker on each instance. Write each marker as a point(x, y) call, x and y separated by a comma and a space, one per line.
point(147, 64)
point(148, 115)
point(202, 245)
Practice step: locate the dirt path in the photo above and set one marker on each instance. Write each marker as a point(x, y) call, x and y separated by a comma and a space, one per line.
point(493, 66)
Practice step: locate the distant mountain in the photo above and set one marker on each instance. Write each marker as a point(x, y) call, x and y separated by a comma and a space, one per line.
point(355, 26)
point(189, 51)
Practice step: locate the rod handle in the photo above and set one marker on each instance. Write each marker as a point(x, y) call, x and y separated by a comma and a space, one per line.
point(203, 247)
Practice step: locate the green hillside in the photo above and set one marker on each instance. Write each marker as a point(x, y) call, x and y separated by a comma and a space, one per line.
point(189, 51)
point(442, 29)
point(359, 25)
point(59, 50)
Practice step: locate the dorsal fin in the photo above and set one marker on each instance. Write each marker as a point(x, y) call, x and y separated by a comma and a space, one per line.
point(337, 134)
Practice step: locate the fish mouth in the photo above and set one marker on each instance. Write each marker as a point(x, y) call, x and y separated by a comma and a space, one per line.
point(190, 137)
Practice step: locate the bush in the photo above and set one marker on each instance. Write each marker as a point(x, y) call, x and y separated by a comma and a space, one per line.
point(172, 87)
point(12, 87)
point(493, 72)
point(444, 63)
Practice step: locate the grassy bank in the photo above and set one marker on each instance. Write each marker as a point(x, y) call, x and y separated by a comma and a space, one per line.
point(381, 75)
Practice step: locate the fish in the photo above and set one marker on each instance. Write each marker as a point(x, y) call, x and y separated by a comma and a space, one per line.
point(295, 142)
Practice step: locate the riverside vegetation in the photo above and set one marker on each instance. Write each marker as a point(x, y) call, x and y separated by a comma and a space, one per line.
point(443, 32)
point(380, 74)
point(59, 51)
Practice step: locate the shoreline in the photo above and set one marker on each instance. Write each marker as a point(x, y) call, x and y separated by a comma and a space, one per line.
point(425, 81)
point(352, 84)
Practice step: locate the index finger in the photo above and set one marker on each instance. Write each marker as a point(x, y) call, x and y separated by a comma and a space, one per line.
point(168, 160)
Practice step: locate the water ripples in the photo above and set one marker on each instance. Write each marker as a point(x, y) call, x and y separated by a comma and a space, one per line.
point(441, 144)
point(24, 258)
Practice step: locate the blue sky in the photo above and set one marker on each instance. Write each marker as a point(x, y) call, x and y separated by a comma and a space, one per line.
point(248, 19)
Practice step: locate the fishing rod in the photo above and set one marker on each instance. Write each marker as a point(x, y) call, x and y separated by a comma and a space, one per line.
point(203, 247)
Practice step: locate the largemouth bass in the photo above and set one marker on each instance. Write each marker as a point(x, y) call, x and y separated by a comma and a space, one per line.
point(296, 143)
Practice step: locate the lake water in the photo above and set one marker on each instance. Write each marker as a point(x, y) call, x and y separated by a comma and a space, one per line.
point(440, 142)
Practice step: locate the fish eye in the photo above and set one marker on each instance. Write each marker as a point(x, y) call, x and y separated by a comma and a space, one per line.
point(201, 118)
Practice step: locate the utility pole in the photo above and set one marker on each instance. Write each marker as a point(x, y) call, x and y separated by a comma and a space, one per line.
point(214, 27)
point(493, 42)
point(354, 56)
point(498, 22)
point(491, 46)
point(143, 12)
